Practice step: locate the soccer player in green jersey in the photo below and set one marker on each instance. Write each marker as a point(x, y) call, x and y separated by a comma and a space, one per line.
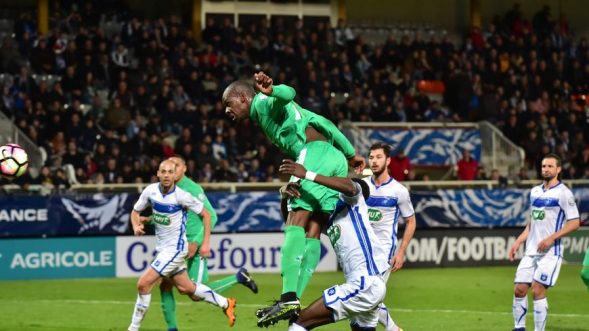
point(198, 234)
point(315, 142)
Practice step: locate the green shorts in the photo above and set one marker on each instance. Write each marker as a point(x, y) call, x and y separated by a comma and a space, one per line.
point(324, 159)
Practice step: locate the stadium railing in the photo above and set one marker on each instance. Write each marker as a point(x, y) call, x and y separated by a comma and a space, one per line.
point(497, 151)
point(270, 186)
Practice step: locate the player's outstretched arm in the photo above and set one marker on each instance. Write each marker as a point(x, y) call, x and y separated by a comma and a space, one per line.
point(340, 184)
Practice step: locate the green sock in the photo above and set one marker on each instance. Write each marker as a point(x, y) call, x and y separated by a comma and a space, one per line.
point(585, 269)
point(292, 253)
point(310, 262)
point(223, 284)
point(169, 308)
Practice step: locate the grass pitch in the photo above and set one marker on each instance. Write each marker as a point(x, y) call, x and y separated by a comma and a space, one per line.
point(420, 299)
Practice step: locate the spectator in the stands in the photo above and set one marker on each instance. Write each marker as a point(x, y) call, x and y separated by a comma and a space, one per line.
point(400, 165)
point(523, 79)
point(467, 167)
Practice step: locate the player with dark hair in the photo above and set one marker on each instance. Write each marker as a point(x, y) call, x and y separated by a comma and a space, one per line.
point(388, 200)
point(554, 214)
point(359, 252)
point(314, 142)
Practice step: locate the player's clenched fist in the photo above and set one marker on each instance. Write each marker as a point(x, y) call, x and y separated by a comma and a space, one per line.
point(263, 83)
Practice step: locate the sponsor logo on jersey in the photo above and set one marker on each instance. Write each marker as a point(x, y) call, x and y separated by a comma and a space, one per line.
point(538, 215)
point(374, 215)
point(334, 233)
point(161, 219)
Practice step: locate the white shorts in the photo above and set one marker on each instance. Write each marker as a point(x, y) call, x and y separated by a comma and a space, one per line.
point(543, 269)
point(357, 300)
point(168, 263)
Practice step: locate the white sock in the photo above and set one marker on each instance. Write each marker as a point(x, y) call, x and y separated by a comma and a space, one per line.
point(296, 327)
point(385, 318)
point(540, 314)
point(520, 308)
point(207, 294)
point(141, 306)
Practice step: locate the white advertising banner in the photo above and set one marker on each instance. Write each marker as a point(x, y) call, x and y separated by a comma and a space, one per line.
point(258, 252)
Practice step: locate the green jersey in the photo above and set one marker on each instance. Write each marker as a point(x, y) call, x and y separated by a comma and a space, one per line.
point(284, 122)
point(194, 221)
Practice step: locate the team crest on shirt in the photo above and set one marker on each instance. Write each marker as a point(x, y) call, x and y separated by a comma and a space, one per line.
point(538, 215)
point(374, 215)
point(334, 233)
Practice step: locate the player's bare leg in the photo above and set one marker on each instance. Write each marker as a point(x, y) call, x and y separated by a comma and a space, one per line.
point(144, 286)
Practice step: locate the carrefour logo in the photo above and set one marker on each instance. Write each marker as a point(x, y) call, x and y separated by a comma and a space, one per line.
point(538, 215)
point(374, 215)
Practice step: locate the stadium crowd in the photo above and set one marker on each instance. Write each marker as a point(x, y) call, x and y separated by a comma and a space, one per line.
point(132, 90)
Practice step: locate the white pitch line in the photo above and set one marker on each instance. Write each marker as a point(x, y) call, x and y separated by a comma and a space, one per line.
point(257, 305)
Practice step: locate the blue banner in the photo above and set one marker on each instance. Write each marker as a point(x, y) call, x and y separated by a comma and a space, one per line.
point(480, 207)
point(108, 214)
point(247, 211)
point(432, 147)
point(68, 215)
point(57, 258)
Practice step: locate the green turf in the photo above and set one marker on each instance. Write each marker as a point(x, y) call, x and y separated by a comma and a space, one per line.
point(421, 299)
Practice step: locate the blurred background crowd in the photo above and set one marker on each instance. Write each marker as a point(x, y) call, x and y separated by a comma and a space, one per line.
point(113, 94)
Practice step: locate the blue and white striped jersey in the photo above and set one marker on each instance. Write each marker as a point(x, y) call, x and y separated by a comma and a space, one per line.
point(385, 204)
point(169, 214)
point(358, 250)
point(550, 209)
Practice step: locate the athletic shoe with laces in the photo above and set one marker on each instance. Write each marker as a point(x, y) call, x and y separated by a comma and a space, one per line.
point(230, 311)
point(263, 311)
point(279, 311)
point(244, 278)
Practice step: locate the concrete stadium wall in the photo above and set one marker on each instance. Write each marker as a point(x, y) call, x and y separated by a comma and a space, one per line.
point(447, 14)
point(454, 14)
